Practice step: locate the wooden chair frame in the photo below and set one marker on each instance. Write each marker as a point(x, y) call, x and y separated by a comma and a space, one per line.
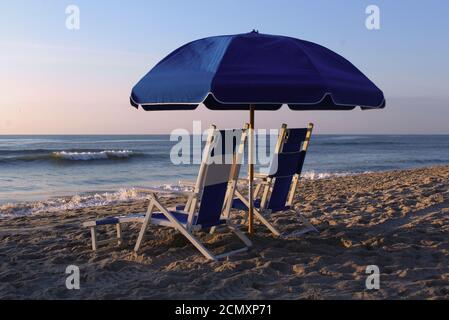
point(190, 208)
point(264, 185)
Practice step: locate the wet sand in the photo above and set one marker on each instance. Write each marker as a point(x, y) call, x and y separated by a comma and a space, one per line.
point(397, 220)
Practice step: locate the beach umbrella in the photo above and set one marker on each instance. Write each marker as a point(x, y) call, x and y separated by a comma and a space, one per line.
point(254, 71)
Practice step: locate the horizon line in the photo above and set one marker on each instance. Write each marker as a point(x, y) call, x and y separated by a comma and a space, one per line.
point(161, 133)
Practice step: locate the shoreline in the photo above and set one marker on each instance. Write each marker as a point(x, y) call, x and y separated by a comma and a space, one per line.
point(100, 198)
point(398, 220)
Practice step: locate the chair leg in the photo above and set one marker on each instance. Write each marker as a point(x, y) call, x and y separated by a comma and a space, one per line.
point(119, 233)
point(201, 248)
point(145, 223)
point(142, 232)
point(93, 233)
point(258, 215)
point(309, 227)
point(242, 237)
point(262, 219)
point(176, 225)
point(240, 234)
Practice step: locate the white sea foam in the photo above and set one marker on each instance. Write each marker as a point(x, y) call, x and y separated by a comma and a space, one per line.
point(312, 175)
point(85, 156)
point(70, 203)
point(61, 204)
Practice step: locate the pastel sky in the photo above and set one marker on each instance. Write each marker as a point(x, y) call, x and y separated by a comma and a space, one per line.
point(59, 81)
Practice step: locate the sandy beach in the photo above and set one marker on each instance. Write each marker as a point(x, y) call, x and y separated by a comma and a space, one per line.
point(397, 220)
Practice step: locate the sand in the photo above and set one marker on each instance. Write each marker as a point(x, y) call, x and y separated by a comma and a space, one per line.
point(397, 220)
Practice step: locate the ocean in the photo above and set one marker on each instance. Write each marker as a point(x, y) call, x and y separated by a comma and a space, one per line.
point(53, 173)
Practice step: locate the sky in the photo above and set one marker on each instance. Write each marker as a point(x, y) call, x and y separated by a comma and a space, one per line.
point(59, 81)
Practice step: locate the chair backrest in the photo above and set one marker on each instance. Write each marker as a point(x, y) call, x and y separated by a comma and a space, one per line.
point(287, 164)
point(218, 173)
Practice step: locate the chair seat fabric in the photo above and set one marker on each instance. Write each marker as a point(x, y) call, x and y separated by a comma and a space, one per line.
point(239, 205)
point(106, 221)
point(182, 218)
point(116, 220)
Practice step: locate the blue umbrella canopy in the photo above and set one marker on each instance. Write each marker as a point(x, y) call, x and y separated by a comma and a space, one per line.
point(254, 71)
point(236, 72)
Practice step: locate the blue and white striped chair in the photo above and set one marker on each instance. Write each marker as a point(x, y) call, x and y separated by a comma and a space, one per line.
point(278, 187)
point(209, 202)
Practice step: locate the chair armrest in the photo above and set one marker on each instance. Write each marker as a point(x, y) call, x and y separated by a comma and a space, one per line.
point(259, 175)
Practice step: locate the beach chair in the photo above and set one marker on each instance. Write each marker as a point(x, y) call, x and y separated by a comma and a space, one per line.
point(275, 191)
point(213, 193)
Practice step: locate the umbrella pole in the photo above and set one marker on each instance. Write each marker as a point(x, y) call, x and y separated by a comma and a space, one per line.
point(251, 170)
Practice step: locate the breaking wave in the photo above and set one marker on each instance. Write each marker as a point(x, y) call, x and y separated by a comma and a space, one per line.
point(61, 204)
point(12, 157)
point(86, 156)
point(312, 175)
